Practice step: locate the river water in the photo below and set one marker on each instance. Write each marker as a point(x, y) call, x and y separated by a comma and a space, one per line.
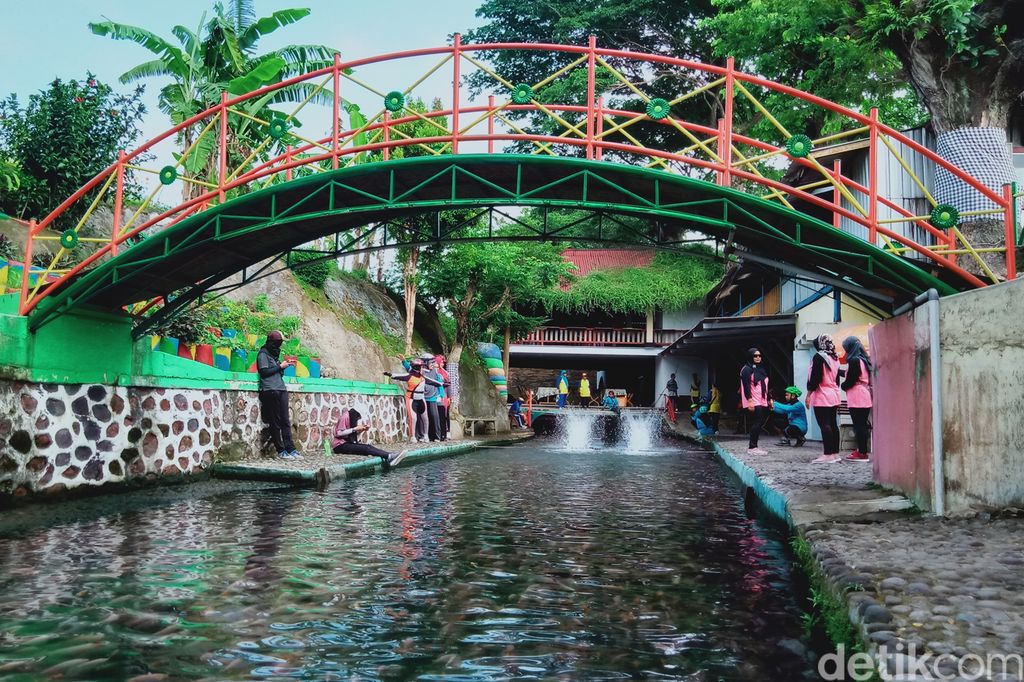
point(523, 562)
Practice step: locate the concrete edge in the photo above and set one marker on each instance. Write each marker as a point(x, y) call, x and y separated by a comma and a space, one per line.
point(333, 472)
point(870, 619)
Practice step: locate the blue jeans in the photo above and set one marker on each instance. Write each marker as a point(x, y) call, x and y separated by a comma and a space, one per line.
point(561, 399)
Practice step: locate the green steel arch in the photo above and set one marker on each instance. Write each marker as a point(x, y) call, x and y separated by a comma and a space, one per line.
point(201, 251)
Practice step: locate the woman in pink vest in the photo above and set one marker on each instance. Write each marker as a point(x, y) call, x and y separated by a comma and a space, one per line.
point(754, 398)
point(858, 395)
point(823, 396)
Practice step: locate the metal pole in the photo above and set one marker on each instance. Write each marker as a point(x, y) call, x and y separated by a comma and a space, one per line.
point(837, 198)
point(873, 178)
point(1010, 233)
point(25, 267)
point(387, 134)
point(456, 59)
point(335, 126)
point(118, 203)
point(599, 150)
point(222, 174)
point(591, 68)
point(490, 124)
point(730, 77)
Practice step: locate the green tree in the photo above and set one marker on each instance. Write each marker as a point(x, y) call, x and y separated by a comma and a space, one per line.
point(663, 27)
point(60, 140)
point(804, 46)
point(222, 57)
point(964, 60)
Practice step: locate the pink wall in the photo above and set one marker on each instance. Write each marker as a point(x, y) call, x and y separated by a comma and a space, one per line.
point(902, 440)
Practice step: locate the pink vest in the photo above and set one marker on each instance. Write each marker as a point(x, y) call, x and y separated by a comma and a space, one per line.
point(859, 394)
point(757, 396)
point(827, 393)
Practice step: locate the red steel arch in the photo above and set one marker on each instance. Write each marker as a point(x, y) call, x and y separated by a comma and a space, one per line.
point(472, 124)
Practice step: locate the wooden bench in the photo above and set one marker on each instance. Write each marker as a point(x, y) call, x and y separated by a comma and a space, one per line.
point(490, 425)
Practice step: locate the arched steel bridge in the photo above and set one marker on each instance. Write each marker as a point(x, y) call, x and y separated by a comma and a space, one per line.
point(349, 187)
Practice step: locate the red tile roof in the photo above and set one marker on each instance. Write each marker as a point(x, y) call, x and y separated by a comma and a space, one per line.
point(587, 260)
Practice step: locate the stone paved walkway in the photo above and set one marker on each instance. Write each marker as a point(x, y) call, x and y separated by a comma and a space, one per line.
point(918, 587)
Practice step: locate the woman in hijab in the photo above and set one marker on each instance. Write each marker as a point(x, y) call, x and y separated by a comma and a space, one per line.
point(754, 397)
point(823, 396)
point(346, 439)
point(858, 395)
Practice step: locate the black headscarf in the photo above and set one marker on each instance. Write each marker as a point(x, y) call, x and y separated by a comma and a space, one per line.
point(353, 418)
point(855, 351)
point(758, 372)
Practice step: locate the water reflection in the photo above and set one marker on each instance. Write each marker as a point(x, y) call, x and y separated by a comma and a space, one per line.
point(515, 563)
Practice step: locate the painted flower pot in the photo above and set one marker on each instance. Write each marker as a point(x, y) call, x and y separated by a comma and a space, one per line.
point(154, 342)
point(214, 330)
point(169, 344)
point(253, 340)
point(314, 368)
point(222, 358)
point(302, 368)
point(228, 333)
point(289, 371)
point(204, 354)
point(239, 362)
point(187, 350)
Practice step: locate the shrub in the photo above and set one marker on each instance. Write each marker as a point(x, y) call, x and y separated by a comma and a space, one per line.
point(314, 274)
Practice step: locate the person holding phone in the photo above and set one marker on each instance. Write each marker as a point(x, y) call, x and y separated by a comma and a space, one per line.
point(274, 395)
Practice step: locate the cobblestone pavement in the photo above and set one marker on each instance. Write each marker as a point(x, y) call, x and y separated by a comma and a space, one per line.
point(930, 596)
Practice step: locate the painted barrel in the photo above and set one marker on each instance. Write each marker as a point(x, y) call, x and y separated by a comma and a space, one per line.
point(302, 367)
point(168, 344)
point(154, 342)
point(222, 358)
point(187, 350)
point(290, 370)
point(314, 368)
point(204, 354)
point(239, 363)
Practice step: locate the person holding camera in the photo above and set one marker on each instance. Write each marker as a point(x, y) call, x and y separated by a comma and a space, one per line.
point(274, 395)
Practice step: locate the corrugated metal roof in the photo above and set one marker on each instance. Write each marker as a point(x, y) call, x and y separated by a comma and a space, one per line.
point(588, 260)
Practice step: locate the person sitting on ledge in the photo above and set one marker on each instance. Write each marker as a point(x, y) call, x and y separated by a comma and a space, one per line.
point(611, 402)
point(515, 411)
point(346, 440)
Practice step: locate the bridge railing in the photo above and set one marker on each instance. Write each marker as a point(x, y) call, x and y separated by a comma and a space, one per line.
point(598, 336)
point(206, 174)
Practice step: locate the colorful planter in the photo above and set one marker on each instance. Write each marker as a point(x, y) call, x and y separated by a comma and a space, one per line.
point(168, 344)
point(290, 370)
point(314, 368)
point(154, 342)
point(239, 361)
point(204, 354)
point(222, 358)
point(187, 350)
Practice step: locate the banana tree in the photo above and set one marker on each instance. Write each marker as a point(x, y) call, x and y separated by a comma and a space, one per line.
point(221, 56)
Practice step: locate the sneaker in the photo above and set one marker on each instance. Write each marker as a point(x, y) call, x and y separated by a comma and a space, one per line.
point(284, 454)
point(784, 441)
point(756, 451)
point(826, 459)
point(858, 456)
point(296, 454)
point(396, 457)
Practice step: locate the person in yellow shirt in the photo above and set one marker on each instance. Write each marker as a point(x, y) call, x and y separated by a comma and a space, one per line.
point(585, 391)
point(563, 388)
point(714, 408)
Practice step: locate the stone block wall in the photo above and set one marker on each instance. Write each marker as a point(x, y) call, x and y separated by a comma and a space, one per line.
point(59, 437)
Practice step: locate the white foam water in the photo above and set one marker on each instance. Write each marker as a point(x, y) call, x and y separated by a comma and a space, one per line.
point(576, 431)
point(639, 430)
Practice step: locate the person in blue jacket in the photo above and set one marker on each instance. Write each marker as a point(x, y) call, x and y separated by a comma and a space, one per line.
point(796, 415)
point(699, 418)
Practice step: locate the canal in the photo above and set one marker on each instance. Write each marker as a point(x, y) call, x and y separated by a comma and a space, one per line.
point(525, 562)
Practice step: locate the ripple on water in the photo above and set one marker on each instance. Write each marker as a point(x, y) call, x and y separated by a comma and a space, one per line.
point(521, 563)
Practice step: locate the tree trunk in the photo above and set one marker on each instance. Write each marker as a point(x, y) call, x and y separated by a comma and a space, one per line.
point(455, 390)
point(409, 287)
point(970, 107)
point(507, 351)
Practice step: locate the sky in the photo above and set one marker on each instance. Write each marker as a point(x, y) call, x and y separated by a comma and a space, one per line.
point(48, 39)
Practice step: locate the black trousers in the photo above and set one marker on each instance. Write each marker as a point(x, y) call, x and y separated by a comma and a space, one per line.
point(861, 428)
point(711, 419)
point(419, 409)
point(793, 432)
point(274, 406)
point(756, 421)
point(435, 430)
point(829, 425)
point(360, 449)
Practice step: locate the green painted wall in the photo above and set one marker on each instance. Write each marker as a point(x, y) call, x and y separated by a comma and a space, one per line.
point(94, 347)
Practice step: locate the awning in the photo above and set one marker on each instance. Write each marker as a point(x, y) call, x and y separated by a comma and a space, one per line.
point(715, 332)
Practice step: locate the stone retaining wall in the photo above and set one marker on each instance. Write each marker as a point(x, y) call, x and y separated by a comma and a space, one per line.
point(59, 437)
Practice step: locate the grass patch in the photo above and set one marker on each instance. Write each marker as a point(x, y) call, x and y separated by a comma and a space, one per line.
point(829, 611)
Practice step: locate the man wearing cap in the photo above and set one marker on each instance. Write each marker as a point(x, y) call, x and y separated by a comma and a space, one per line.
point(274, 395)
point(796, 417)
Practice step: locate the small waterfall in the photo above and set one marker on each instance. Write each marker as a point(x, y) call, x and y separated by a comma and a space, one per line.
point(576, 430)
point(639, 430)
